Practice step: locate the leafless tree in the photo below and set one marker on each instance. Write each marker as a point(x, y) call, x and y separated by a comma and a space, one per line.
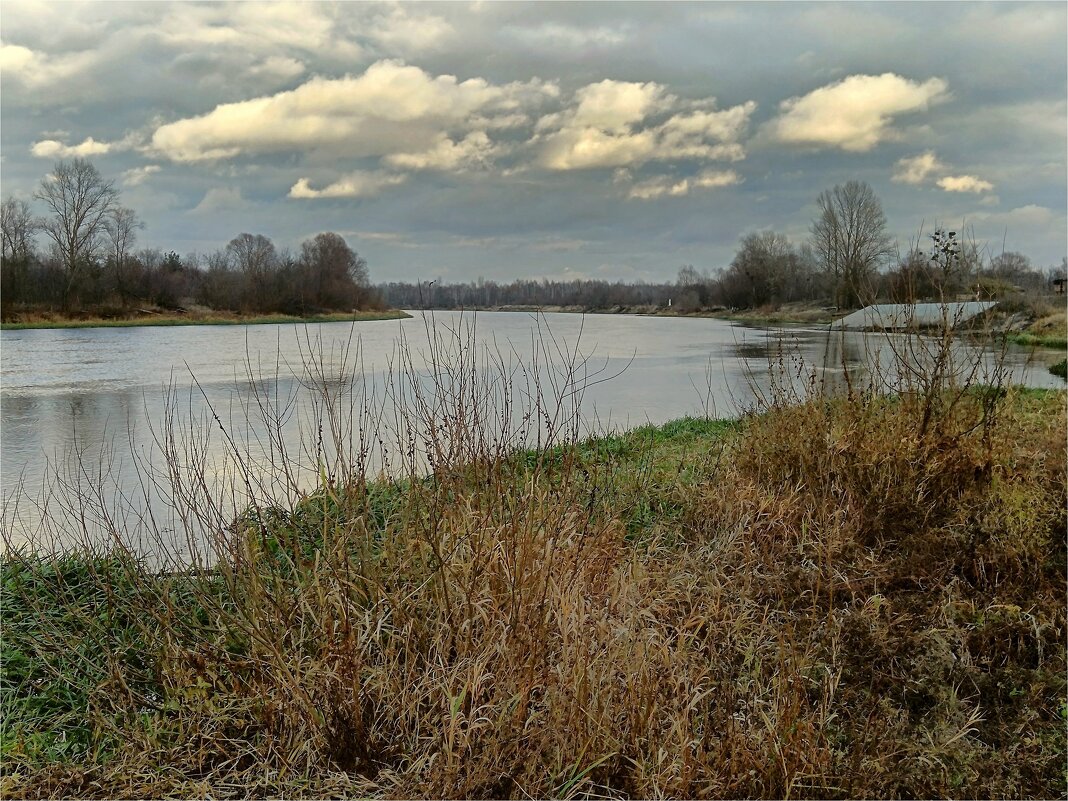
point(1011, 266)
point(337, 274)
point(688, 276)
point(79, 201)
point(850, 240)
point(913, 278)
point(767, 268)
point(17, 227)
point(252, 254)
point(121, 229)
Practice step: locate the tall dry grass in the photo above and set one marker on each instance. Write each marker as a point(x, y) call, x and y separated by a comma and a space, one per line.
point(846, 594)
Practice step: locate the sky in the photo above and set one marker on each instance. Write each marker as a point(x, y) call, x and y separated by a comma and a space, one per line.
point(604, 140)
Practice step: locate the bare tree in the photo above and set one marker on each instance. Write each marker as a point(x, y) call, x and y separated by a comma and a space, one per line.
point(17, 227)
point(80, 202)
point(1011, 266)
point(849, 238)
point(766, 269)
point(121, 229)
point(254, 256)
point(689, 277)
point(337, 274)
point(913, 279)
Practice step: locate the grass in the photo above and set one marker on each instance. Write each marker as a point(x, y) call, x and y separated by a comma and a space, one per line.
point(1029, 340)
point(848, 596)
point(1049, 330)
point(205, 319)
point(1060, 369)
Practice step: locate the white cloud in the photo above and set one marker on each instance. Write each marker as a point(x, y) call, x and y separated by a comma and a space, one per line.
point(668, 187)
point(17, 60)
point(359, 183)
point(964, 183)
point(916, 169)
point(56, 149)
point(617, 124)
point(137, 175)
point(658, 187)
point(390, 108)
point(585, 148)
point(475, 149)
point(710, 179)
point(256, 28)
point(36, 70)
point(854, 114)
point(400, 31)
point(706, 134)
point(80, 53)
point(52, 149)
point(614, 106)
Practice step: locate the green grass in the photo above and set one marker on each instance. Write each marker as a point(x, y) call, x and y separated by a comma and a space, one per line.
point(645, 471)
point(823, 600)
point(66, 633)
point(1028, 340)
point(166, 320)
point(1060, 369)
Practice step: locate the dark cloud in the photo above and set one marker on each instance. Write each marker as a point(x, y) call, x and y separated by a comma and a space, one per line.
point(494, 146)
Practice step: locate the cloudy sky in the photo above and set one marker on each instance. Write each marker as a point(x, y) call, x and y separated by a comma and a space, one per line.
point(507, 140)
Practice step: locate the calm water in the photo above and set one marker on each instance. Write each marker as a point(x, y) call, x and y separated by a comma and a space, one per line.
point(87, 408)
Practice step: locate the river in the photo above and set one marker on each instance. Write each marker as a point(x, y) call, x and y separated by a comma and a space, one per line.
point(89, 417)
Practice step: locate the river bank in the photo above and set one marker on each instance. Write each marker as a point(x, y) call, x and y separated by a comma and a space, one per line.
point(33, 321)
point(758, 608)
point(788, 314)
point(1027, 330)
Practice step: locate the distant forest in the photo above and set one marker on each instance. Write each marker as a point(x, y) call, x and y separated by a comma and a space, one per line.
point(849, 260)
point(89, 264)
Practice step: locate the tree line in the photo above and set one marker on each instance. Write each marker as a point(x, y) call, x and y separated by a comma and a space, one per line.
point(483, 294)
point(848, 260)
point(89, 262)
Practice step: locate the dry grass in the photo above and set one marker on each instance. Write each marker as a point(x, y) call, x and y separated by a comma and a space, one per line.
point(850, 597)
